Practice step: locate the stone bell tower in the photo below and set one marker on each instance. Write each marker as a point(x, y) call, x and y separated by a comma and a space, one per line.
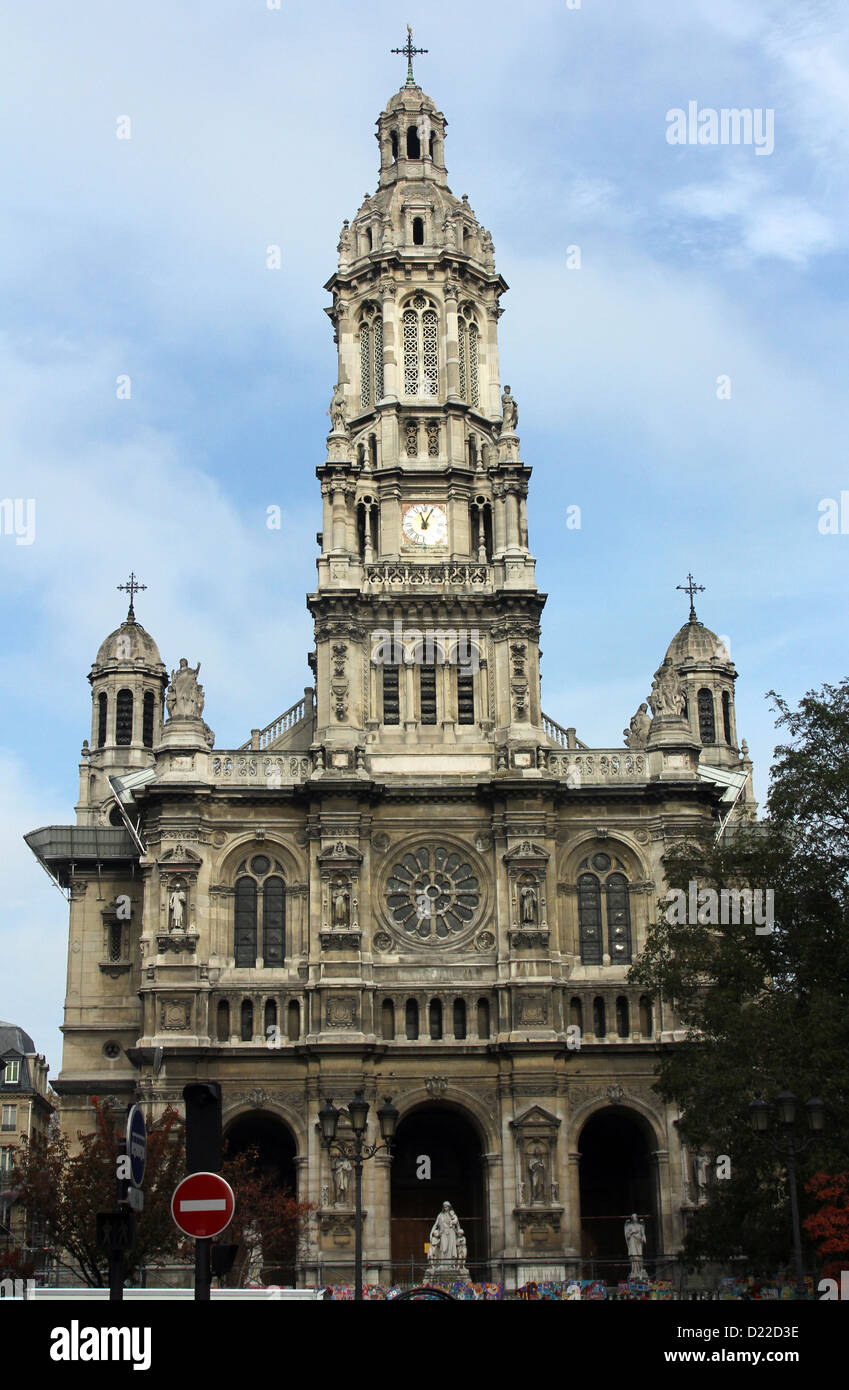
point(426, 611)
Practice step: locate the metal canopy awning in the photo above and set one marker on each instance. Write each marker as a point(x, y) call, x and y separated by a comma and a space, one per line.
point(62, 849)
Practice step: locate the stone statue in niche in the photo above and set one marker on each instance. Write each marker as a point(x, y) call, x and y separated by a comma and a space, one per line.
point(341, 1180)
point(341, 905)
point(336, 412)
point(529, 906)
point(635, 736)
point(386, 232)
point(509, 412)
point(344, 246)
point(185, 697)
point(177, 908)
point(537, 1174)
point(635, 1239)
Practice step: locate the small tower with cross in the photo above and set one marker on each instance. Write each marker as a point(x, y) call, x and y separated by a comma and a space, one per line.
point(703, 664)
point(128, 680)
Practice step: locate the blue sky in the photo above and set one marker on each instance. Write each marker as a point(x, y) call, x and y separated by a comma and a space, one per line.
point(254, 126)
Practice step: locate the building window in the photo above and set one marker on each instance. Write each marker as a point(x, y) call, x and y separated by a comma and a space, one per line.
point(707, 722)
point(465, 698)
point(483, 1018)
point(435, 1019)
point(147, 718)
point(391, 707)
point(576, 1014)
point(618, 920)
point(387, 1020)
point(247, 1021)
point(7, 1160)
point(414, 149)
point(589, 919)
point(124, 717)
point(270, 1021)
point(222, 1027)
point(411, 1020)
point(726, 715)
point(646, 1019)
point(421, 348)
point(599, 1018)
point(293, 1021)
point(623, 1017)
point(460, 1019)
point(116, 940)
point(260, 879)
point(9, 1117)
point(418, 231)
point(13, 1073)
point(371, 358)
point(427, 691)
point(468, 344)
point(102, 707)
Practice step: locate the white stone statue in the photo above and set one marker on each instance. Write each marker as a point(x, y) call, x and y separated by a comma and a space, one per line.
point(341, 906)
point(443, 1235)
point(667, 695)
point(528, 896)
point(536, 1173)
point(636, 735)
point(635, 1239)
point(337, 411)
point(185, 698)
point(509, 412)
point(342, 1170)
point(176, 905)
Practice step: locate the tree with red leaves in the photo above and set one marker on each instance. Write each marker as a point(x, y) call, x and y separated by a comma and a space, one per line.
point(63, 1192)
point(829, 1227)
point(273, 1213)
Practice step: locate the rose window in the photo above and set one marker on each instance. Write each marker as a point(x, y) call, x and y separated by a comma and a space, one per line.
point(433, 893)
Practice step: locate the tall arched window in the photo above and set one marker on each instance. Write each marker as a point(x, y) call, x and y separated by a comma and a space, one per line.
point(414, 149)
point(468, 333)
point(222, 1029)
point(707, 721)
point(419, 327)
point(576, 1013)
point(465, 696)
point(270, 1021)
point(589, 918)
point(260, 881)
point(623, 1017)
point(599, 1018)
point(245, 934)
point(618, 920)
point(293, 1021)
point(371, 357)
point(387, 1020)
point(124, 717)
point(726, 715)
point(394, 140)
point(427, 689)
point(418, 231)
point(391, 706)
point(646, 1019)
point(147, 718)
point(435, 1019)
point(483, 1018)
point(102, 710)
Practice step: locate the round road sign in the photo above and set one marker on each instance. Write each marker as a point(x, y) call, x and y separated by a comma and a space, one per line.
point(137, 1145)
point(203, 1205)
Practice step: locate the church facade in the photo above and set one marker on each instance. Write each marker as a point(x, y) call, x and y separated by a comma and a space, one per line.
point(413, 882)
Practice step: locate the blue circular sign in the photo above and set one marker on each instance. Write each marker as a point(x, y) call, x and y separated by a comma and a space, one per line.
point(137, 1145)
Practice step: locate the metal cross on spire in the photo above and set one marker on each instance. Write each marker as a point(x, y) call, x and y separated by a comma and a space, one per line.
point(691, 588)
point(132, 587)
point(409, 51)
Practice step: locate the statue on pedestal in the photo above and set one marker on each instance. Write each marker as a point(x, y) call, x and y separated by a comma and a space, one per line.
point(635, 1239)
point(509, 412)
point(447, 1240)
point(185, 697)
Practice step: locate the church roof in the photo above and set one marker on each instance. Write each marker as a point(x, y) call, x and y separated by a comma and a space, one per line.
point(695, 642)
point(14, 1039)
point(128, 643)
point(411, 99)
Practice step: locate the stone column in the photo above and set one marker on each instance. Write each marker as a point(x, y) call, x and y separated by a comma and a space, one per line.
point(452, 340)
point(512, 519)
point(490, 406)
point(390, 340)
point(499, 519)
point(339, 517)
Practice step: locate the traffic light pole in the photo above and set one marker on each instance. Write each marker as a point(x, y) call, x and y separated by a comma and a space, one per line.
point(203, 1270)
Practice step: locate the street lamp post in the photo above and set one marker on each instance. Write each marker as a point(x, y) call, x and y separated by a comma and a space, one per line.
point(789, 1144)
point(357, 1151)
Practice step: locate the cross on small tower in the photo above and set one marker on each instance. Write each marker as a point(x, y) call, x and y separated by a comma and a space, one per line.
point(691, 588)
point(132, 587)
point(409, 51)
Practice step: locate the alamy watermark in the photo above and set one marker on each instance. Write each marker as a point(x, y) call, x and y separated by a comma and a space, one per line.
point(17, 518)
point(728, 126)
point(432, 646)
point(729, 907)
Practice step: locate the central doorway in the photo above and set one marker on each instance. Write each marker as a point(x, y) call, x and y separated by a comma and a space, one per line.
point(618, 1177)
point(438, 1157)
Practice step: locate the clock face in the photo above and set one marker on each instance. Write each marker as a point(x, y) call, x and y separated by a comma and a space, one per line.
point(425, 523)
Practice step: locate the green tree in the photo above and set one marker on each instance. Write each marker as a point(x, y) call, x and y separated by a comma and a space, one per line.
point(763, 1011)
point(64, 1191)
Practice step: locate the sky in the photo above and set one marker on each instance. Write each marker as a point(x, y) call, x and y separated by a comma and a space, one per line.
point(681, 379)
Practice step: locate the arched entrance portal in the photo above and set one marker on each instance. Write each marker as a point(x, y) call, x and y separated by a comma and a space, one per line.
point(275, 1149)
point(438, 1157)
point(618, 1176)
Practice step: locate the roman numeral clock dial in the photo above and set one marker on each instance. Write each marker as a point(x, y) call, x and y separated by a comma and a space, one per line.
point(425, 524)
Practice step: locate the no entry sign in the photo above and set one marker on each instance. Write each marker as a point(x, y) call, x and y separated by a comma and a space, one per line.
point(203, 1205)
